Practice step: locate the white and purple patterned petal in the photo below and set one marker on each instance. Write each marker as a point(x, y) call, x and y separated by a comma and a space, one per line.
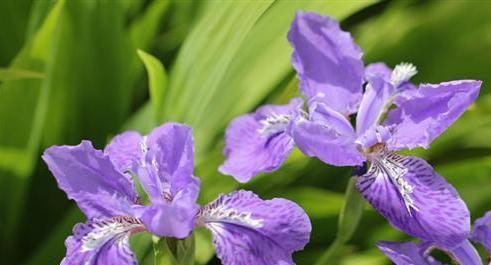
point(423, 114)
point(415, 199)
point(327, 61)
point(408, 253)
point(102, 242)
point(327, 135)
point(259, 142)
point(125, 150)
point(482, 231)
point(248, 230)
point(90, 179)
point(375, 102)
point(173, 216)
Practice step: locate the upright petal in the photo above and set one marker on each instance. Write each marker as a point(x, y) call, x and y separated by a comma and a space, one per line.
point(102, 242)
point(171, 217)
point(259, 142)
point(415, 199)
point(328, 136)
point(89, 178)
point(407, 253)
point(423, 114)
point(327, 61)
point(125, 150)
point(482, 231)
point(378, 69)
point(248, 230)
point(375, 102)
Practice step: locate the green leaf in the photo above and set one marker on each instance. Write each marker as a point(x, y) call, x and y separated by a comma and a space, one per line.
point(12, 74)
point(173, 251)
point(349, 220)
point(157, 78)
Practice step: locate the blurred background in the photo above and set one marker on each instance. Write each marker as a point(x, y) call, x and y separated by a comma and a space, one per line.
point(70, 70)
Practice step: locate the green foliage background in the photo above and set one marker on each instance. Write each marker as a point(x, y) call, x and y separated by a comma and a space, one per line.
point(70, 70)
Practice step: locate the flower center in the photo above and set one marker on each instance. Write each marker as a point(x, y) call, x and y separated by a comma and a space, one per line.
point(274, 124)
point(402, 73)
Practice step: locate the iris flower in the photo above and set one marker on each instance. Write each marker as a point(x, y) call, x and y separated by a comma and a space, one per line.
point(246, 229)
point(391, 114)
point(411, 253)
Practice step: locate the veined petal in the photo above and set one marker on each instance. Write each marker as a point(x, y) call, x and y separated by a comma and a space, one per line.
point(102, 242)
point(171, 217)
point(327, 61)
point(415, 199)
point(259, 142)
point(407, 253)
point(89, 178)
point(375, 102)
point(482, 231)
point(169, 164)
point(248, 230)
point(328, 136)
point(125, 150)
point(423, 114)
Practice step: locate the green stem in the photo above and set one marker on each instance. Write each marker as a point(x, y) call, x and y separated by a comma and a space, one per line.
point(349, 219)
point(173, 251)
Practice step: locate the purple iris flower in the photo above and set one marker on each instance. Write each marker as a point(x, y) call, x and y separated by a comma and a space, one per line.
point(246, 229)
point(411, 253)
point(391, 114)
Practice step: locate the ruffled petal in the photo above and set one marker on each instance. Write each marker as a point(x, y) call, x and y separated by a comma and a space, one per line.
point(169, 163)
point(171, 217)
point(102, 242)
point(423, 114)
point(248, 230)
point(415, 199)
point(327, 61)
point(375, 102)
point(407, 253)
point(482, 231)
point(89, 178)
point(259, 142)
point(125, 150)
point(328, 136)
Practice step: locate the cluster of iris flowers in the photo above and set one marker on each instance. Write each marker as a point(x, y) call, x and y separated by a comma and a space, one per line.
point(389, 112)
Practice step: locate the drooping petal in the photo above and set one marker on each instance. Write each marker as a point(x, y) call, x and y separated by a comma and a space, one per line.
point(327, 61)
point(407, 253)
point(102, 242)
point(259, 142)
point(169, 161)
point(89, 178)
point(423, 114)
point(328, 136)
point(248, 230)
point(125, 150)
point(415, 199)
point(482, 231)
point(375, 102)
point(171, 217)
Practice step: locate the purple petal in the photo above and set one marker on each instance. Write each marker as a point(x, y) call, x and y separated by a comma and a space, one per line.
point(482, 231)
point(374, 104)
point(327, 61)
point(125, 150)
point(328, 136)
point(424, 113)
point(102, 242)
point(169, 162)
point(89, 178)
point(171, 217)
point(259, 142)
point(378, 69)
point(407, 253)
point(248, 230)
point(415, 199)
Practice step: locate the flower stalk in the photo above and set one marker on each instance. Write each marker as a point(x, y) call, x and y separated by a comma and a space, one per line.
point(173, 251)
